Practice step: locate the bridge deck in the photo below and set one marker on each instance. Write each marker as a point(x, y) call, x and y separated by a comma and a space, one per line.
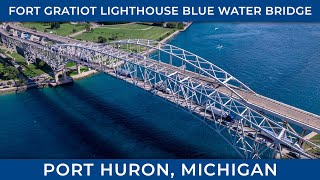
point(197, 109)
point(288, 113)
point(52, 37)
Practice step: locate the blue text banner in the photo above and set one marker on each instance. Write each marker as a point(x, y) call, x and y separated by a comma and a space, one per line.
point(164, 10)
point(159, 169)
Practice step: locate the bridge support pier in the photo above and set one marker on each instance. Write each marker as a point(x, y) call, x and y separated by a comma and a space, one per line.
point(78, 68)
point(65, 74)
point(58, 73)
point(56, 76)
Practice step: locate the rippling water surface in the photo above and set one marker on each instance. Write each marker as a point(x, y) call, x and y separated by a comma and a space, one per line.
point(102, 117)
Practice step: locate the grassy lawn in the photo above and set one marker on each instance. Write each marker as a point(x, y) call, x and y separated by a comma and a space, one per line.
point(74, 72)
point(84, 68)
point(128, 26)
point(65, 28)
point(4, 67)
point(70, 64)
point(19, 58)
point(127, 31)
point(30, 70)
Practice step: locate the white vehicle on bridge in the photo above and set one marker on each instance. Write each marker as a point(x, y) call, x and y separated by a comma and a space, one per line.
point(162, 88)
point(227, 118)
point(123, 72)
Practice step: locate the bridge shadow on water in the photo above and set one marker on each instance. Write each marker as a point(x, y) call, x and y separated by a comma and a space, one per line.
point(142, 132)
point(97, 146)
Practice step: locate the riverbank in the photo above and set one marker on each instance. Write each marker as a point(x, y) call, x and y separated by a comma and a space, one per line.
point(46, 84)
point(22, 88)
point(84, 74)
point(165, 40)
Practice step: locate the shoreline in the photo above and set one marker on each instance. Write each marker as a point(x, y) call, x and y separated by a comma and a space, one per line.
point(45, 85)
point(175, 33)
point(165, 40)
point(81, 75)
point(84, 75)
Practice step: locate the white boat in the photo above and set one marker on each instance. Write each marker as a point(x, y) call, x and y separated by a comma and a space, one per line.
point(219, 47)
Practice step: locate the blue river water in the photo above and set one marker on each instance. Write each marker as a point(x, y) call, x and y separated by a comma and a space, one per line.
point(102, 117)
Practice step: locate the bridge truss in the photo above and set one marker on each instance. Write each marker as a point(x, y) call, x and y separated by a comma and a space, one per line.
point(186, 80)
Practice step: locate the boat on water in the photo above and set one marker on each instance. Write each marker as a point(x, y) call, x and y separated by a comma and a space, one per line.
point(219, 47)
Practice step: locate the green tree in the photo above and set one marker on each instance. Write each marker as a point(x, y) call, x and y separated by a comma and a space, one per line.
point(102, 39)
point(21, 82)
point(74, 30)
point(12, 72)
point(41, 64)
point(171, 25)
point(34, 28)
point(55, 25)
point(113, 37)
point(180, 26)
point(157, 24)
point(88, 27)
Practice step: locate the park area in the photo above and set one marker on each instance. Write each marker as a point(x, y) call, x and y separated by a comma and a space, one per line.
point(126, 31)
point(95, 32)
point(61, 29)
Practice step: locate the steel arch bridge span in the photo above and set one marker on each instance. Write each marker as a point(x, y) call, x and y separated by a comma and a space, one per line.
point(251, 134)
point(191, 62)
point(228, 84)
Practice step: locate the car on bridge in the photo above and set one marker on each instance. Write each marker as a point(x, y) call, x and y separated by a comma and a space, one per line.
point(123, 72)
point(162, 88)
point(228, 118)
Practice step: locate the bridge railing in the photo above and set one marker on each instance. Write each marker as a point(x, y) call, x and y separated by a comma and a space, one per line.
point(153, 72)
point(187, 59)
point(194, 92)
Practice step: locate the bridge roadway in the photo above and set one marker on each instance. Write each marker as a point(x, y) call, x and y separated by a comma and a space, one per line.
point(261, 103)
point(55, 38)
point(179, 100)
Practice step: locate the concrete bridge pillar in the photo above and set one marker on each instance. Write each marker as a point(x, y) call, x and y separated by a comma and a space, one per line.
point(78, 68)
point(65, 74)
point(56, 76)
point(62, 73)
